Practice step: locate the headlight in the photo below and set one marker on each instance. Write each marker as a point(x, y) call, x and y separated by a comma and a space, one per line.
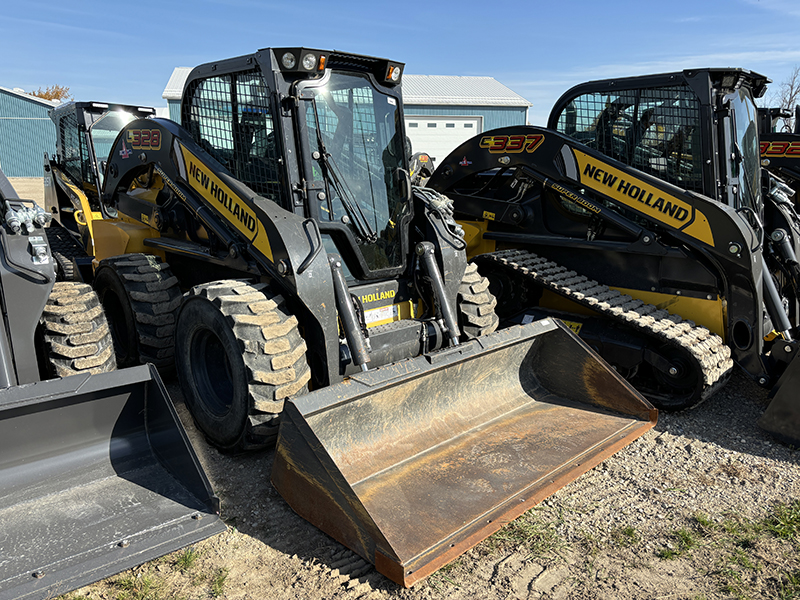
point(289, 60)
point(395, 74)
point(309, 62)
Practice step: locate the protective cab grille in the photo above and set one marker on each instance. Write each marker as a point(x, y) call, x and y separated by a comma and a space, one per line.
point(230, 117)
point(655, 130)
point(74, 155)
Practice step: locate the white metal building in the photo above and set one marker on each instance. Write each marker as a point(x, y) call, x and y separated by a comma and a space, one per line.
point(442, 111)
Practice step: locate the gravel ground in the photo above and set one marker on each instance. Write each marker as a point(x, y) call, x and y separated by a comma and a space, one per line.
point(680, 513)
point(29, 188)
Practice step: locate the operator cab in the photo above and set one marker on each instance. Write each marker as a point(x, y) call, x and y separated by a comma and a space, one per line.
point(321, 134)
point(658, 124)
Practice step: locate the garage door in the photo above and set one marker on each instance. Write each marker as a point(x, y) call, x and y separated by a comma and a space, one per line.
point(439, 136)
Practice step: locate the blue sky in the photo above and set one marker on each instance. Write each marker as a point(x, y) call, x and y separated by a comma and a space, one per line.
point(125, 52)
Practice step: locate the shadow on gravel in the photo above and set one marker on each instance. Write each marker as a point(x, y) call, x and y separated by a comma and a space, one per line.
point(729, 419)
point(251, 505)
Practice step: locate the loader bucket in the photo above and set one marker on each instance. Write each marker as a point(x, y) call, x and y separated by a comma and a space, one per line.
point(96, 476)
point(411, 464)
point(782, 417)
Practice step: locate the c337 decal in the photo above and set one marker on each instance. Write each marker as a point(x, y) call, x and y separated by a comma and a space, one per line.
point(225, 201)
point(642, 197)
point(502, 144)
point(144, 139)
point(775, 148)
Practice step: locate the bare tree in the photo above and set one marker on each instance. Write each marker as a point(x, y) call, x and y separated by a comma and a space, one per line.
point(54, 92)
point(788, 97)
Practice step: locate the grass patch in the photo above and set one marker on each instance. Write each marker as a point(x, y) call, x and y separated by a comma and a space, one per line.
point(218, 582)
point(704, 522)
point(539, 538)
point(685, 541)
point(742, 567)
point(790, 588)
point(626, 536)
point(740, 558)
point(187, 559)
point(784, 523)
point(138, 587)
point(442, 576)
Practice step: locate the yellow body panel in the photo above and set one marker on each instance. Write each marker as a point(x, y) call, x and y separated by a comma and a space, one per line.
point(113, 237)
point(225, 202)
point(708, 313)
point(643, 197)
point(84, 216)
point(473, 235)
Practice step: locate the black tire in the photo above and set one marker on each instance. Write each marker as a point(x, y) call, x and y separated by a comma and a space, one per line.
point(238, 354)
point(75, 335)
point(64, 247)
point(476, 305)
point(140, 296)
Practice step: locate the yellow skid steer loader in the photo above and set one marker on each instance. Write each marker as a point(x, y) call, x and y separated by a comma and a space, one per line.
point(642, 217)
point(323, 292)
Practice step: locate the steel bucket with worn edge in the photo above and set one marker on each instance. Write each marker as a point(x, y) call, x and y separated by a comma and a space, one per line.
point(97, 475)
point(412, 464)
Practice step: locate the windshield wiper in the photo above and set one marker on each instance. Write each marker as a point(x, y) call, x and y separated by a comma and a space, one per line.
point(330, 171)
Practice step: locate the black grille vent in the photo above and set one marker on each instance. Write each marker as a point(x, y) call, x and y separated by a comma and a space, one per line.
point(353, 62)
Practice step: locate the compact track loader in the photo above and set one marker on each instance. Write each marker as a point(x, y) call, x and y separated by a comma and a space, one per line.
point(298, 273)
point(73, 179)
point(96, 473)
point(639, 217)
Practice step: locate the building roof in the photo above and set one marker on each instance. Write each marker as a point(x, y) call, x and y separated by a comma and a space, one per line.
point(417, 89)
point(174, 87)
point(19, 93)
point(459, 90)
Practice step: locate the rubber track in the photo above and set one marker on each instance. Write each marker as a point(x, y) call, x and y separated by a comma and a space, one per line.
point(707, 351)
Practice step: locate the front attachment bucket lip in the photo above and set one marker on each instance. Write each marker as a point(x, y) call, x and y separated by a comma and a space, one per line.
point(128, 549)
point(781, 419)
point(638, 416)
